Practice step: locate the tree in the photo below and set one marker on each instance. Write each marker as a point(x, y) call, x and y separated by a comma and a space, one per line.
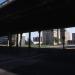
point(56, 39)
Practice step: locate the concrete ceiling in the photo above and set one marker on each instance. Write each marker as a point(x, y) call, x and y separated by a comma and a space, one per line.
point(32, 15)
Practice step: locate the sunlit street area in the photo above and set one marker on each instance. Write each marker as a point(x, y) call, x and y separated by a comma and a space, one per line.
point(55, 38)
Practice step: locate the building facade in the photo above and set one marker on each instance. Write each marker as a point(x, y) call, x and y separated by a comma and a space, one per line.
point(67, 37)
point(54, 37)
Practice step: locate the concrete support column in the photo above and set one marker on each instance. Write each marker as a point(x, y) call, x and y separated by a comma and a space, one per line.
point(39, 38)
point(57, 36)
point(20, 39)
point(29, 39)
point(63, 36)
point(17, 40)
point(10, 39)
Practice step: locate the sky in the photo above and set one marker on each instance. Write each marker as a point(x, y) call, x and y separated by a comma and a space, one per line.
point(2, 1)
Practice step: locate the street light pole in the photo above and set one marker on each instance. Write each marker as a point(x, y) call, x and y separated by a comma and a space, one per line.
point(39, 38)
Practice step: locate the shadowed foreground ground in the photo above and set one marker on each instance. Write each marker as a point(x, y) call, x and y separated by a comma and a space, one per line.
point(24, 61)
point(4, 72)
